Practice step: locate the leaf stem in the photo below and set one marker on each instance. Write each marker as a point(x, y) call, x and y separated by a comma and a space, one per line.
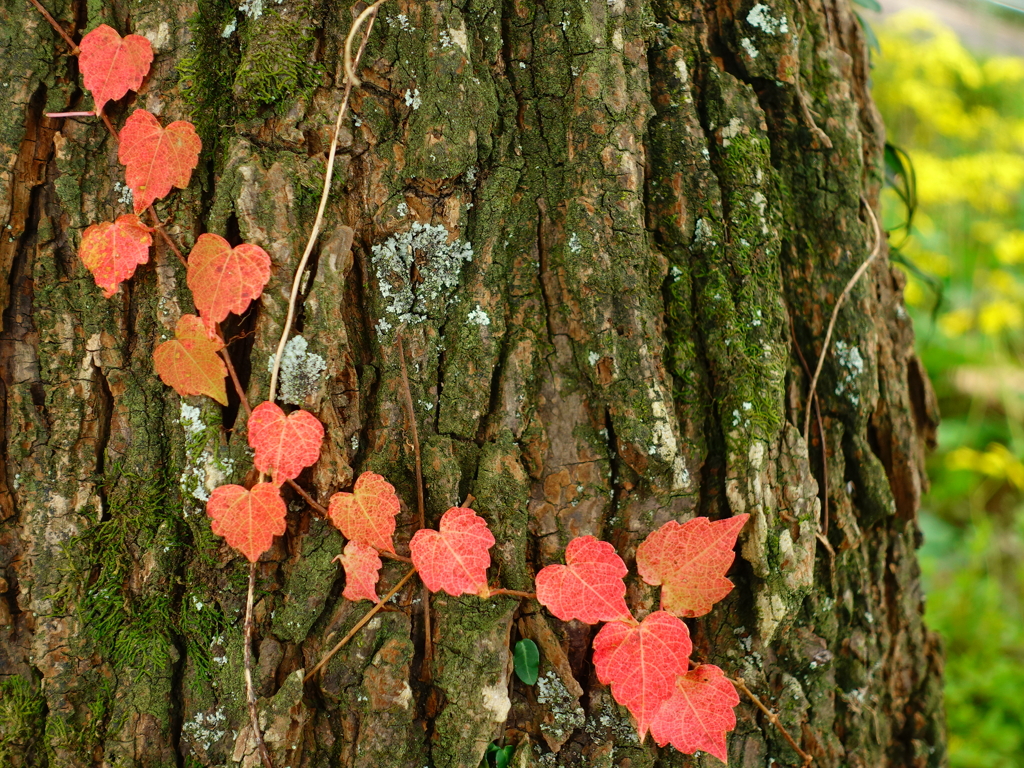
point(57, 27)
point(774, 719)
point(70, 114)
point(410, 414)
point(361, 623)
point(250, 693)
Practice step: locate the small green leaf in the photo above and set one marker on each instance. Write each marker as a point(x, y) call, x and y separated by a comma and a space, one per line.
point(527, 661)
point(503, 756)
point(871, 5)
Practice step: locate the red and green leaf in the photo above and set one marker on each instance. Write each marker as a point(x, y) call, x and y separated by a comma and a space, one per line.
point(699, 713)
point(589, 587)
point(225, 279)
point(189, 362)
point(689, 561)
point(368, 514)
point(456, 558)
point(362, 571)
point(113, 65)
point(248, 520)
point(641, 662)
point(284, 445)
point(112, 250)
point(156, 158)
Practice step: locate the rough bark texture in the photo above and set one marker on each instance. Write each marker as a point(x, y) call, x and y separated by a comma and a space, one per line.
point(654, 215)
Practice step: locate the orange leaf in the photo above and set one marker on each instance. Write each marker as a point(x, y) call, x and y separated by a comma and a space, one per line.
point(589, 587)
point(368, 514)
point(641, 662)
point(112, 250)
point(189, 362)
point(362, 571)
point(156, 159)
point(456, 558)
point(111, 65)
point(699, 713)
point(689, 561)
point(248, 520)
point(225, 279)
point(284, 445)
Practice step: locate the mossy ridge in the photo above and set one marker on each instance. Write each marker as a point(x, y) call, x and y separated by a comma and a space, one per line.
point(206, 72)
point(22, 721)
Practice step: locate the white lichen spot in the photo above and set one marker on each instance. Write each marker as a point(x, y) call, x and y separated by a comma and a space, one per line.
point(567, 714)
point(702, 232)
point(731, 131)
point(682, 72)
point(748, 46)
point(204, 729)
point(478, 316)
point(412, 98)
point(574, 243)
point(229, 28)
point(402, 209)
point(402, 21)
point(355, 442)
point(757, 318)
point(849, 359)
point(124, 194)
point(426, 250)
point(747, 406)
point(301, 371)
point(675, 273)
point(760, 18)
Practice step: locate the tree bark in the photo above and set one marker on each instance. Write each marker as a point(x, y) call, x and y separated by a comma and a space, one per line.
point(663, 202)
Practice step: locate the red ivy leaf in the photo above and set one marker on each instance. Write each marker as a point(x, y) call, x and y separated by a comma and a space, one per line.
point(368, 514)
point(456, 558)
point(111, 65)
point(589, 587)
point(689, 561)
point(189, 362)
point(225, 279)
point(112, 250)
point(362, 571)
point(156, 159)
point(641, 662)
point(248, 520)
point(284, 445)
point(699, 713)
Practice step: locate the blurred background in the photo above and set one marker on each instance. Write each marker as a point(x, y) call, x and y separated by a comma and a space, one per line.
point(949, 79)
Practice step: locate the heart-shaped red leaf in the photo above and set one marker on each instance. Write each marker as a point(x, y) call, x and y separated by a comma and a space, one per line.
point(689, 561)
point(284, 445)
point(589, 587)
point(225, 279)
point(368, 514)
point(111, 65)
point(699, 713)
point(455, 559)
point(189, 362)
point(248, 520)
point(641, 662)
point(155, 158)
point(362, 571)
point(112, 250)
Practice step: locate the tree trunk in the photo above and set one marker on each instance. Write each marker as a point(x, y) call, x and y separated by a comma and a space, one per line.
point(662, 203)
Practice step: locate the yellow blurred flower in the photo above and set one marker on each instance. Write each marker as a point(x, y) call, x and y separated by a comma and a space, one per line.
point(995, 461)
point(1000, 315)
point(956, 323)
point(1010, 247)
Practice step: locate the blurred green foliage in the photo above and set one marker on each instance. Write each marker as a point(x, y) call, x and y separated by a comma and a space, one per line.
point(960, 119)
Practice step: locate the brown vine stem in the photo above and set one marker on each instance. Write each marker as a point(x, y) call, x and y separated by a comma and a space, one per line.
point(410, 414)
point(250, 693)
point(362, 622)
point(835, 314)
point(821, 433)
point(57, 27)
point(368, 16)
point(774, 719)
